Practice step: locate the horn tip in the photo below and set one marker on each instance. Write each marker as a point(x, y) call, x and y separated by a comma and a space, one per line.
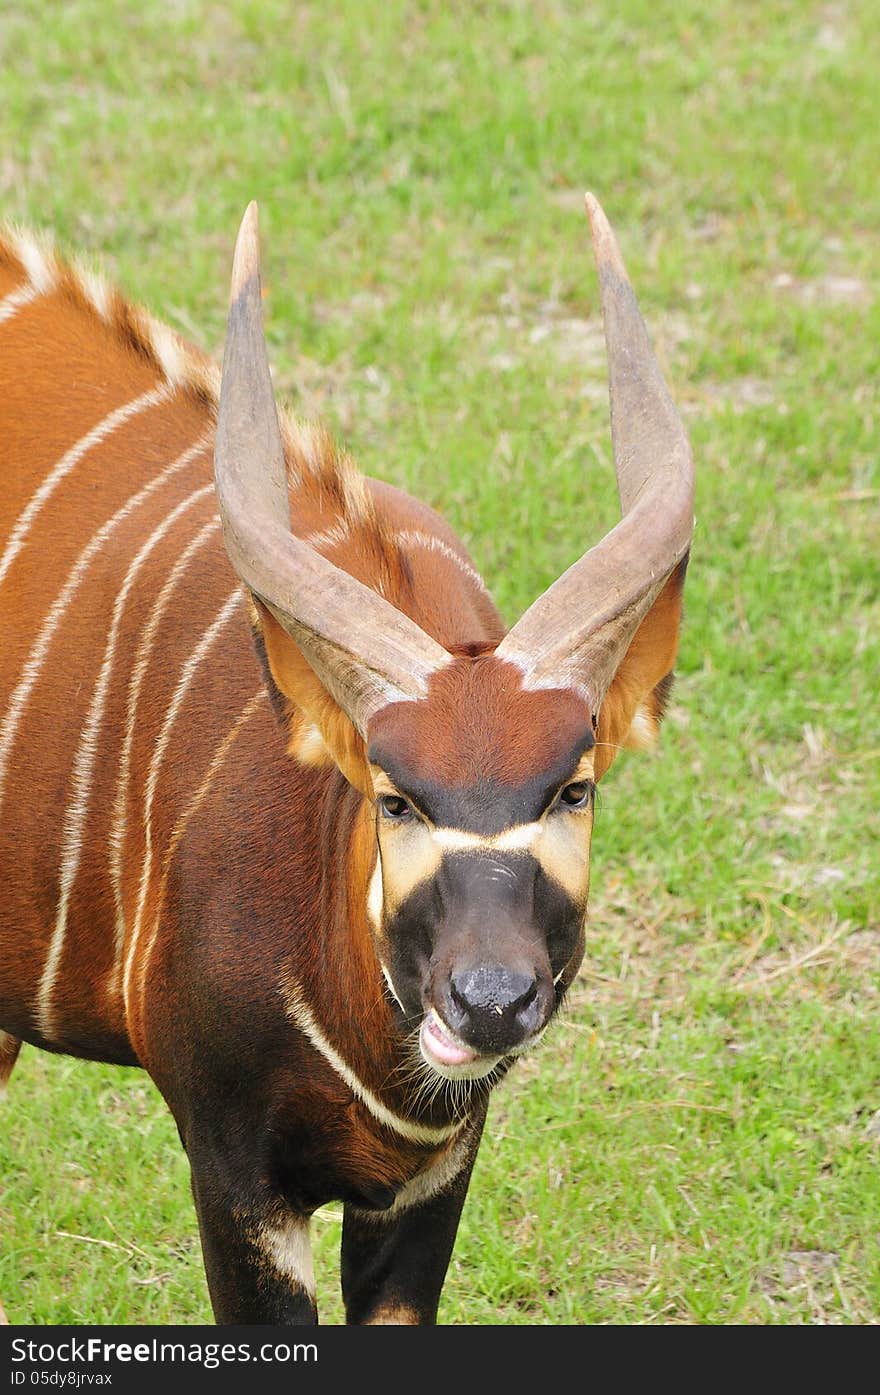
point(246, 259)
point(605, 248)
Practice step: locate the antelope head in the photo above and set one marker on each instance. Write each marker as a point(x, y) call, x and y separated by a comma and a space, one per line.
point(480, 767)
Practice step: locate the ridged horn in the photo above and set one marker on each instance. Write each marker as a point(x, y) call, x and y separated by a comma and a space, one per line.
point(365, 652)
point(578, 631)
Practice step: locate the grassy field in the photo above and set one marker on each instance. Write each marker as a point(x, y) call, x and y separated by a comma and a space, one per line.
point(698, 1141)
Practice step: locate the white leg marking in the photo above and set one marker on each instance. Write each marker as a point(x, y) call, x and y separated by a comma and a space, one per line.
point(18, 536)
point(83, 766)
point(302, 1016)
point(288, 1249)
point(222, 751)
point(187, 674)
point(138, 672)
point(34, 663)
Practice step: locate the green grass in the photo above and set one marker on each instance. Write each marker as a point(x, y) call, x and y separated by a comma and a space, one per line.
point(698, 1140)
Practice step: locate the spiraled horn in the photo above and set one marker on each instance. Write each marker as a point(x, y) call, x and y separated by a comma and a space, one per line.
point(578, 631)
point(365, 651)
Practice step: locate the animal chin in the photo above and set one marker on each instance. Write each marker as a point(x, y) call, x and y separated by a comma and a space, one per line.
point(448, 1055)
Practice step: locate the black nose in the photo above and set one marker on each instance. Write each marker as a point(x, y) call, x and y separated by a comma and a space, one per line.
point(495, 1008)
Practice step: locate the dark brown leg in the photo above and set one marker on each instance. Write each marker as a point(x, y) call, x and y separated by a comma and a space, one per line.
point(394, 1262)
point(258, 1259)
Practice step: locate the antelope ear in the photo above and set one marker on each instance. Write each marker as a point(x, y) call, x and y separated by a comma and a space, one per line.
point(318, 731)
point(633, 707)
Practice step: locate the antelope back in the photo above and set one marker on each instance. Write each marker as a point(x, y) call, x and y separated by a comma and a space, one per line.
point(128, 672)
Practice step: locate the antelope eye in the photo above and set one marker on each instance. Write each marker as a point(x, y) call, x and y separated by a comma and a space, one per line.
point(577, 795)
point(394, 807)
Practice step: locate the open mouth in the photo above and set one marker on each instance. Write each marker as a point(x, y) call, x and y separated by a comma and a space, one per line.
point(448, 1054)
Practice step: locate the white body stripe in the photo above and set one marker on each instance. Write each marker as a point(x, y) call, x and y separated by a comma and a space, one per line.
point(35, 660)
point(217, 760)
point(99, 433)
point(413, 537)
point(187, 674)
point(37, 256)
point(117, 833)
point(83, 768)
point(328, 537)
point(16, 300)
point(99, 293)
point(302, 1016)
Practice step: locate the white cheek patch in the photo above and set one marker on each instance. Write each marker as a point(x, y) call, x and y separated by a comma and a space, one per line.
point(410, 856)
point(560, 843)
point(563, 851)
point(375, 910)
point(375, 897)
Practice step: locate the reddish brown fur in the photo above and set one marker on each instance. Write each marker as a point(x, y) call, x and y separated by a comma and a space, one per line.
point(59, 353)
point(478, 721)
point(240, 865)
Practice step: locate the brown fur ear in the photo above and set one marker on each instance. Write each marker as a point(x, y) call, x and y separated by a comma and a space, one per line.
point(319, 731)
point(634, 704)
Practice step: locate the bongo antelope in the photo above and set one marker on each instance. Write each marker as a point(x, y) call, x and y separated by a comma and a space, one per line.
point(286, 818)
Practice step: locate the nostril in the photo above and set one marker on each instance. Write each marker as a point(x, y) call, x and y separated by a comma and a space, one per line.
point(458, 992)
point(528, 996)
point(492, 989)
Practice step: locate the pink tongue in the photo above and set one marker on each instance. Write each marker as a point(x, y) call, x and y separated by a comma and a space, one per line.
point(438, 1045)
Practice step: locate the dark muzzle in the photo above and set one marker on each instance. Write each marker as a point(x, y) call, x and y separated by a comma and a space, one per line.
point(493, 1008)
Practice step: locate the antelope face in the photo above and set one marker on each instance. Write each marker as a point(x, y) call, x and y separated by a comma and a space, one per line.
point(484, 810)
